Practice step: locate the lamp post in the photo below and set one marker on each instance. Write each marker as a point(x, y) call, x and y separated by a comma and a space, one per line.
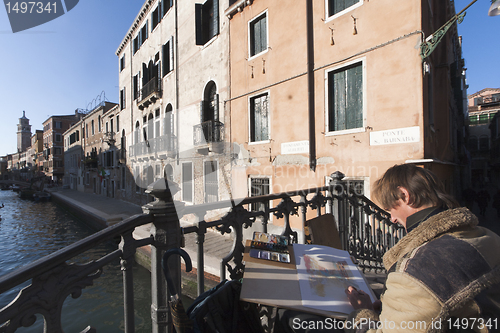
point(495, 8)
point(431, 42)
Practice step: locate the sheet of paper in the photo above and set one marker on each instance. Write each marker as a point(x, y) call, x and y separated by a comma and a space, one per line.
point(324, 273)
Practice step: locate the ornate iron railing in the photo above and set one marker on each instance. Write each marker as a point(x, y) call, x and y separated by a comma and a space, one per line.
point(208, 132)
point(153, 86)
point(165, 144)
point(365, 231)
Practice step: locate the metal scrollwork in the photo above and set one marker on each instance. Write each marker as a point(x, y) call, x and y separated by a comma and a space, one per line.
point(46, 296)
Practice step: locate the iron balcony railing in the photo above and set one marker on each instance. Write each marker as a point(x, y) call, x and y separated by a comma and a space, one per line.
point(364, 228)
point(208, 132)
point(153, 86)
point(165, 144)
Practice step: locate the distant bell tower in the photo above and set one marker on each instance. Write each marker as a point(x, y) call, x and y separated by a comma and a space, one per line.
point(23, 134)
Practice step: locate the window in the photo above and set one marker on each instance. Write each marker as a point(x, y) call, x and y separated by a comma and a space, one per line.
point(157, 123)
point(259, 118)
point(211, 181)
point(57, 151)
point(93, 130)
point(99, 123)
point(345, 98)
point(136, 44)
point(165, 6)
point(187, 182)
point(336, 6)
point(122, 63)
point(122, 99)
point(258, 35)
point(259, 186)
point(117, 123)
point(143, 35)
point(135, 86)
point(207, 21)
point(58, 137)
point(484, 142)
point(156, 17)
point(58, 124)
point(168, 56)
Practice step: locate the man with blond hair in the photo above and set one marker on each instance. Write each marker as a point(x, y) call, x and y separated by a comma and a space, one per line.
point(444, 275)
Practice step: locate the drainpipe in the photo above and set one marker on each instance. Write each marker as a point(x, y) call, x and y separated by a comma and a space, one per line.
point(310, 84)
point(176, 68)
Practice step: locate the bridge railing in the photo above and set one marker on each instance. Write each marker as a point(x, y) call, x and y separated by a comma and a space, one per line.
point(365, 231)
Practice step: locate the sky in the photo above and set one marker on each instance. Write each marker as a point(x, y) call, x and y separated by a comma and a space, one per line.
point(67, 63)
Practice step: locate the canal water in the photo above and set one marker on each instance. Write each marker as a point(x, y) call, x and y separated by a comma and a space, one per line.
point(30, 230)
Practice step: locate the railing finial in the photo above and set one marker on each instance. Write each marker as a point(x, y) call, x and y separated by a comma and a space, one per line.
point(337, 175)
point(163, 191)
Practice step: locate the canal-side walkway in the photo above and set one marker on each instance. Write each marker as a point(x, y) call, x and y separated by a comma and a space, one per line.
point(102, 211)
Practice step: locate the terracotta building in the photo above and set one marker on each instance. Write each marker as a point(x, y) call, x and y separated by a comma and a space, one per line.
point(53, 129)
point(90, 152)
point(344, 88)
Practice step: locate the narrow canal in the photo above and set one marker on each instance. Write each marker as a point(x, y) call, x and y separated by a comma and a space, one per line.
point(30, 230)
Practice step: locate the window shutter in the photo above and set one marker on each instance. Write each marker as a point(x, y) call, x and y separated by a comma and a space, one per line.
point(354, 98)
point(216, 107)
point(198, 10)
point(164, 56)
point(257, 41)
point(202, 110)
point(339, 107)
point(263, 34)
point(216, 18)
point(171, 53)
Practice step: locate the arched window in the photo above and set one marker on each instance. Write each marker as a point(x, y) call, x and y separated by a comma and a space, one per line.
point(99, 123)
point(168, 122)
point(150, 127)
point(168, 173)
point(136, 133)
point(210, 103)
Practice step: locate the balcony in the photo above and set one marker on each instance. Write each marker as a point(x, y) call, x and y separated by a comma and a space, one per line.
point(109, 138)
point(163, 146)
point(208, 137)
point(364, 229)
point(149, 93)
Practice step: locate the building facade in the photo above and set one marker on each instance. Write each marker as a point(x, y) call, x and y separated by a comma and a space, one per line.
point(344, 88)
point(90, 151)
point(173, 82)
point(483, 141)
point(53, 145)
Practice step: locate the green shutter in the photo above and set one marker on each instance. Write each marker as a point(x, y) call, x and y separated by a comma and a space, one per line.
point(198, 9)
point(354, 97)
point(339, 83)
point(263, 34)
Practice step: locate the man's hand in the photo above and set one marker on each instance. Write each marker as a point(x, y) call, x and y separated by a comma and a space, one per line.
point(358, 298)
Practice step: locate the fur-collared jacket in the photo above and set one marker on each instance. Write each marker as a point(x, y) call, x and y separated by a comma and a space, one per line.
point(445, 268)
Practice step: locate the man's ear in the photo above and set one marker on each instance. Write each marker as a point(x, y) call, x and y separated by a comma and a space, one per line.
point(405, 195)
